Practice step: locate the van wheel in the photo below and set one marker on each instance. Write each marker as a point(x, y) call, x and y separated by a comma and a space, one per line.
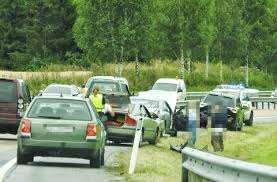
point(95, 161)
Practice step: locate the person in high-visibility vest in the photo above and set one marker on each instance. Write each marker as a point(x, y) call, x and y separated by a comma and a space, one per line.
point(99, 103)
point(97, 99)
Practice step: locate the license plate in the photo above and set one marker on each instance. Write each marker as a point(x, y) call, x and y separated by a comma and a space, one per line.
point(60, 129)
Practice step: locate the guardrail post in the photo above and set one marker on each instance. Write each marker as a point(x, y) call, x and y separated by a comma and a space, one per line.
point(262, 105)
point(185, 172)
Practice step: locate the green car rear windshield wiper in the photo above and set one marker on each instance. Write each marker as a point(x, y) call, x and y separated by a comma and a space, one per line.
point(50, 117)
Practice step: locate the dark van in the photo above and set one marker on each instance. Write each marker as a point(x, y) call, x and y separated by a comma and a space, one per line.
point(14, 98)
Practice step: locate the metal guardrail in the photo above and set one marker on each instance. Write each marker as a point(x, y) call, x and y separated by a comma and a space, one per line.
point(196, 95)
point(262, 99)
point(270, 102)
point(201, 166)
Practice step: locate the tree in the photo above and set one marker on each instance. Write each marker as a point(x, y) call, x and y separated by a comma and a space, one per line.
point(12, 38)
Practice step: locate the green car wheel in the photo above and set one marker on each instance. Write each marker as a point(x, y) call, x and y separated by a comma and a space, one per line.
point(156, 138)
point(95, 161)
point(24, 159)
point(103, 158)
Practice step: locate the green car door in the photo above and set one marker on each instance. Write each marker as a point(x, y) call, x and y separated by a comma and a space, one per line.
point(153, 126)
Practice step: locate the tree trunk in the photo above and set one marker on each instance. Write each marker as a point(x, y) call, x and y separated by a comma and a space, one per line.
point(189, 60)
point(207, 64)
point(182, 68)
point(221, 64)
point(247, 72)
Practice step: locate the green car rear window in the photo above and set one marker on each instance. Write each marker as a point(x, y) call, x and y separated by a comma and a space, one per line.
point(64, 109)
point(7, 91)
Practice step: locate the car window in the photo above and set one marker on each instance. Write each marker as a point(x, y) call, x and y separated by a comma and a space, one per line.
point(213, 99)
point(7, 91)
point(124, 89)
point(138, 110)
point(165, 86)
point(61, 109)
point(107, 87)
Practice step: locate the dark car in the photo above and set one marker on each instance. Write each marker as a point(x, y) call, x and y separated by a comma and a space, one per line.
point(14, 98)
point(230, 107)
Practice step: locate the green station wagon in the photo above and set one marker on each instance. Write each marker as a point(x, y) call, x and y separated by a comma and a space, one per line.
point(63, 126)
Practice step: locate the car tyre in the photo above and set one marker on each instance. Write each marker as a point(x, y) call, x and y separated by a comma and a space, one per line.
point(103, 158)
point(173, 133)
point(156, 138)
point(95, 162)
point(21, 159)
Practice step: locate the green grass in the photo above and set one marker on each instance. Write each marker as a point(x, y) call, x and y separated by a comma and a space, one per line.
point(157, 163)
point(149, 73)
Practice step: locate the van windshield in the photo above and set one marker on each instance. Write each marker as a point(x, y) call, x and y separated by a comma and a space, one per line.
point(7, 91)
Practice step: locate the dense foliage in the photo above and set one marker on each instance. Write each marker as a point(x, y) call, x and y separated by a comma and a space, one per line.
point(34, 33)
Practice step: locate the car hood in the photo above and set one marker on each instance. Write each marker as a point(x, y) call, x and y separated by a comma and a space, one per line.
point(170, 97)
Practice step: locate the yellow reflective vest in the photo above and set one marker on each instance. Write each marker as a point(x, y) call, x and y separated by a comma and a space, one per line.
point(97, 102)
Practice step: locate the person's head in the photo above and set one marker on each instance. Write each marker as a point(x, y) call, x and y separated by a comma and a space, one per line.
point(96, 91)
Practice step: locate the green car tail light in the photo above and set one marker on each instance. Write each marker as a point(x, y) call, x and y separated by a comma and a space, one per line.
point(26, 128)
point(91, 131)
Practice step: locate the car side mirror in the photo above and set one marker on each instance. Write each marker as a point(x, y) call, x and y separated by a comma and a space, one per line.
point(83, 85)
point(180, 90)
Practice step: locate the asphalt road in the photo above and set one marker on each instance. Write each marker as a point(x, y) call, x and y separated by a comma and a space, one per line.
point(56, 169)
point(7, 148)
point(67, 169)
point(265, 116)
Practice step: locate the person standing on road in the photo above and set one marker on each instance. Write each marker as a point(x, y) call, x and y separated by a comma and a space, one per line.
point(100, 104)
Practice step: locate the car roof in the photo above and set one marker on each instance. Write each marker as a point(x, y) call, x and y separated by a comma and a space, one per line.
point(169, 80)
point(62, 85)
point(66, 97)
point(111, 78)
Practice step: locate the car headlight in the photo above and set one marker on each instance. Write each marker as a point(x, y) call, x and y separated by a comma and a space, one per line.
point(20, 101)
point(20, 106)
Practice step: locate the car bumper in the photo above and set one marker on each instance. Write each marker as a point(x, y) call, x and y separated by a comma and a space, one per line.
point(122, 134)
point(58, 148)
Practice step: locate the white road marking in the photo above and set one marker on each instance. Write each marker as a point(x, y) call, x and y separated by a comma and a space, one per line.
point(6, 169)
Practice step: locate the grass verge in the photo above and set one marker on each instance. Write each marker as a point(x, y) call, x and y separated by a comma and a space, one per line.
point(157, 163)
point(148, 73)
